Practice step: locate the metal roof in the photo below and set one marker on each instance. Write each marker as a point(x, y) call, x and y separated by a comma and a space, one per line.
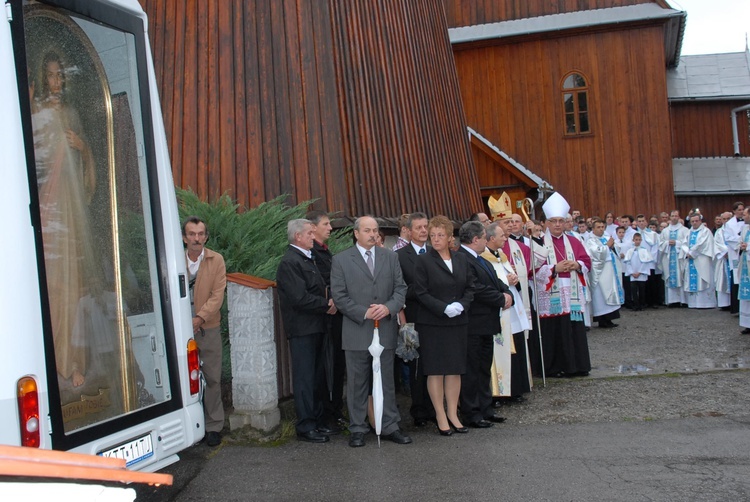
point(706, 176)
point(541, 183)
point(579, 19)
point(710, 76)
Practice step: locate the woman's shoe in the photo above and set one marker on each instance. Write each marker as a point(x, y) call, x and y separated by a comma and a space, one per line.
point(449, 432)
point(460, 430)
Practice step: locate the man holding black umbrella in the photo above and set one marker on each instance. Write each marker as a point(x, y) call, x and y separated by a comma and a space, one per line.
point(304, 305)
point(335, 364)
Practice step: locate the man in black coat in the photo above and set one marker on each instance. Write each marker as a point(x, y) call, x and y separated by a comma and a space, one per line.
point(490, 296)
point(304, 309)
point(333, 404)
point(421, 407)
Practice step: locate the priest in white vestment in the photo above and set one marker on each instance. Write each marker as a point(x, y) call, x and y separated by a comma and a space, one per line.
point(733, 223)
point(605, 281)
point(698, 279)
point(744, 276)
point(673, 259)
point(726, 247)
point(650, 242)
point(510, 257)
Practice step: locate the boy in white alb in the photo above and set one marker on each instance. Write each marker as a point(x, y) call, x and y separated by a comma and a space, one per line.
point(638, 262)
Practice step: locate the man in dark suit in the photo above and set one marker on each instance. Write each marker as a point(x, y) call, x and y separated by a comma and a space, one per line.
point(421, 406)
point(304, 305)
point(334, 401)
point(490, 295)
point(367, 286)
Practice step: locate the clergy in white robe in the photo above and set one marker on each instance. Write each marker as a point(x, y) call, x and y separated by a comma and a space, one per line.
point(587, 292)
point(744, 276)
point(673, 259)
point(605, 281)
point(650, 242)
point(733, 223)
point(698, 279)
point(723, 241)
point(509, 259)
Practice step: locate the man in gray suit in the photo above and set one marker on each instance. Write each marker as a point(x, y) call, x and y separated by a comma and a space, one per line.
point(367, 286)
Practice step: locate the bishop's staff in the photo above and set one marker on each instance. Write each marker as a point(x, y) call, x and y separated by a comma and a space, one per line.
point(530, 204)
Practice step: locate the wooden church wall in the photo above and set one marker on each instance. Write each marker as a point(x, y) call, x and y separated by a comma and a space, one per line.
point(512, 96)
point(704, 129)
point(336, 100)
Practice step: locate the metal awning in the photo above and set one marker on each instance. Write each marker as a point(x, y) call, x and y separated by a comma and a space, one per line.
point(521, 171)
point(711, 176)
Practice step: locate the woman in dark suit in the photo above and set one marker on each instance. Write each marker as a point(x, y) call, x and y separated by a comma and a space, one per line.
point(444, 285)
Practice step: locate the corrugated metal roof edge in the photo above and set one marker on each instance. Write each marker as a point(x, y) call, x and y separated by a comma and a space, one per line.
point(663, 14)
point(723, 97)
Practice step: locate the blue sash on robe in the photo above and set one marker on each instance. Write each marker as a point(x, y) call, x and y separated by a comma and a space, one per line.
point(744, 293)
point(672, 282)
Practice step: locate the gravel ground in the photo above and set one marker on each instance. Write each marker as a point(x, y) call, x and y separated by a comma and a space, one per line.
point(658, 364)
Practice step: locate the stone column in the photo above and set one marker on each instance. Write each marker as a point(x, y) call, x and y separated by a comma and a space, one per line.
point(251, 334)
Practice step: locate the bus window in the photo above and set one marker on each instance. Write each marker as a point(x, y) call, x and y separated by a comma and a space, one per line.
point(97, 228)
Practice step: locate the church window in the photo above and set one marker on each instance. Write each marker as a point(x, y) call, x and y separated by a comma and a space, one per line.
point(575, 94)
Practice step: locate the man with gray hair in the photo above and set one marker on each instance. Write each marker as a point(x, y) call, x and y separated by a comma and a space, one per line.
point(304, 305)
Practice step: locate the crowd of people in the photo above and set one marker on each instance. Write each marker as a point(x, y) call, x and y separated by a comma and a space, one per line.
point(494, 304)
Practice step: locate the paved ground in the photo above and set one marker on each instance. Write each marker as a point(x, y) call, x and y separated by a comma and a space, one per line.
point(665, 415)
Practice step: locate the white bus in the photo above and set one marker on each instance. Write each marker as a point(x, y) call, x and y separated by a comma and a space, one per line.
point(96, 348)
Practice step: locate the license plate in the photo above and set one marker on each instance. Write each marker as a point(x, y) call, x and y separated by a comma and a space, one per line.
point(133, 451)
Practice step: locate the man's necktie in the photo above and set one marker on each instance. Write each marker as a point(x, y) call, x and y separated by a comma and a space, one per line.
point(422, 251)
point(370, 262)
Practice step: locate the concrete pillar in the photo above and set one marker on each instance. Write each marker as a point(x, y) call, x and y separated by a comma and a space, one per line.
point(251, 334)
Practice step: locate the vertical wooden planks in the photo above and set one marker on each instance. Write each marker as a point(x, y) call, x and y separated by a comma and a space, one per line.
point(354, 102)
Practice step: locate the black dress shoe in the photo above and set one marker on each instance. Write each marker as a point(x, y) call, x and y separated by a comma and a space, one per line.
point(496, 419)
point(357, 439)
point(481, 424)
point(398, 437)
point(329, 430)
point(745, 331)
point(449, 432)
point(213, 438)
point(312, 436)
point(460, 430)
point(518, 399)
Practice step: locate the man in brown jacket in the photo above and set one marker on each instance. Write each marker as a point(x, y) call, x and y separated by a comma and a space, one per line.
point(208, 280)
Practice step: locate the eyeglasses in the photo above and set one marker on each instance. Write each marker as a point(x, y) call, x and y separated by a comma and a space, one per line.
point(438, 236)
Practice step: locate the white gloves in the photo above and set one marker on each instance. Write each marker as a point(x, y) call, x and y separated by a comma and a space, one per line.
point(454, 309)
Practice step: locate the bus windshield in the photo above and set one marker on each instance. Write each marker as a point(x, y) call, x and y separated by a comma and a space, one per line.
point(100, 265)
